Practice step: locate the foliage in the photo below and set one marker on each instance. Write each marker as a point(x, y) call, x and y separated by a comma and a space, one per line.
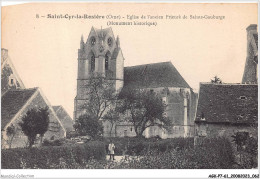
point(10, 132)
point(213, 153)
point(247, 148)
point(145, 109)
point(139, 145)
point(57, 142)
point(74, 156)
point(240, 139)
point(216, 80)
point(101, 95)
point(87, 125)
point(112, 116)
point(35, 121)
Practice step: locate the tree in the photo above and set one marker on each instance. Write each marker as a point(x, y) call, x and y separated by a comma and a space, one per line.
point(216, 80)
point(112, 116)
point(101, 94)
point(145, 109)
point(10, 132)
point(87, 125)
point(35, 121)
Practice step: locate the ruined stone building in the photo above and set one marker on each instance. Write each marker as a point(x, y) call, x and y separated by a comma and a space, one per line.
point(101, 53)
point(251, 66)
point(16, 100)
point(224, 109)
point(9, 77)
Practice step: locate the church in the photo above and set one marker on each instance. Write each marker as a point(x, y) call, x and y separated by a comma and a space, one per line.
point(101, 53)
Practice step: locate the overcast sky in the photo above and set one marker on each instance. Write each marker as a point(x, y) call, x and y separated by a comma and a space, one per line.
point(44, 51)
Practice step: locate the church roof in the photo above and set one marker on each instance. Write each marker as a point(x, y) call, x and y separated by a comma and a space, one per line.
point(154, 75)
point(12, 102)
point(64, 117)
point(227, 103)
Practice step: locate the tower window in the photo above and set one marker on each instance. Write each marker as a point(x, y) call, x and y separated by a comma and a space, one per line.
point(106, 62)
point(109, 41)
point(93, 41)
point(92, 63)
point(12, 81)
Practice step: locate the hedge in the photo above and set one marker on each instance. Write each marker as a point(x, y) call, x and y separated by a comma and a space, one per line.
point(140, 146)
point(214, 153)
point(52, 156)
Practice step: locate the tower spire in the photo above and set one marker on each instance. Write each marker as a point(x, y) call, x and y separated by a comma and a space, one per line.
point(117, 41)
point(82, 42)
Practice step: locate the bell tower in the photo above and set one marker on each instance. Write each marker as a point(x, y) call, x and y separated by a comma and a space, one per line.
point(251, 66)
point(101, 53)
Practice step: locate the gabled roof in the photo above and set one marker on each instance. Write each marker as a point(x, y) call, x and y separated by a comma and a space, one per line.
point(64, 117)
point(12, 102)
point(154, 75)
point(227, 103)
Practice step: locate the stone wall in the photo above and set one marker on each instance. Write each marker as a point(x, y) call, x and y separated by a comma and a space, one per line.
point(223, 130)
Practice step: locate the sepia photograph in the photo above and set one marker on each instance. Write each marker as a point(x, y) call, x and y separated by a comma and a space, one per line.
point(119, 85)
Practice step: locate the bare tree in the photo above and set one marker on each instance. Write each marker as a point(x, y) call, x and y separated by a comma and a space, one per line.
point(216, 80)
point(101, 94)
point(145, 109)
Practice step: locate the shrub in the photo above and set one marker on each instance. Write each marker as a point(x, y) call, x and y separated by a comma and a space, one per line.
point(140, 146)
point(210, 154)
point(51, 156)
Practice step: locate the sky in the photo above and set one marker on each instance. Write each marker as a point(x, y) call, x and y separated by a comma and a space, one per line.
point(44, 51)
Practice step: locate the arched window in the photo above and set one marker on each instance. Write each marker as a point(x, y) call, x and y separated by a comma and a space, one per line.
point(106, 62)
point(92, 63)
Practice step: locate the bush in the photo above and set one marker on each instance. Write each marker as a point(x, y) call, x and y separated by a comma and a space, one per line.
point(140, 146)
point(52, 156)
point(210, 154)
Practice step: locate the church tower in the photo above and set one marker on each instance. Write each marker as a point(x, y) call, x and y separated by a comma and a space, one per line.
point(250, 71)
point(101, 53)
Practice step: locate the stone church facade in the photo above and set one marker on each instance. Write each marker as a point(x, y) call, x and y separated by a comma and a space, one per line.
point(102, 53)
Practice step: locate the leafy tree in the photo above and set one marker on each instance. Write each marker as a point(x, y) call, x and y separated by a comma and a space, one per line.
point(87, 125)
point(101, 94)
point(10, 132)
point(113, 117)
point(145, 109)
point(35, 121)
point(216, 80)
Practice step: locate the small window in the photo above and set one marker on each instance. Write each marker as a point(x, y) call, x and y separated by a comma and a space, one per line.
point(12, 81)
point(93, 41)
point(131, 129)
point(92, 63)
point(109, 41)
point(242, 97)
point(106, 62)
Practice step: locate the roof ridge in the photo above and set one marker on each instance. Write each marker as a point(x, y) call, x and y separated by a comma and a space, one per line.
point(223, 84)
point(26, 89)
point(149, 64)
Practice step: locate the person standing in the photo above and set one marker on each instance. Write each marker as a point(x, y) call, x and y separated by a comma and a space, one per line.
point(111, 149)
